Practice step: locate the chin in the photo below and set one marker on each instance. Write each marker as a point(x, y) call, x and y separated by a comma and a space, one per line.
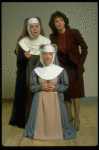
point(47, 63)
point(34, 34)
point(60, 28)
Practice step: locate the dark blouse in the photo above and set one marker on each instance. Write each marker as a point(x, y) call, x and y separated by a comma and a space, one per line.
point(62, 42)
point(63, 55)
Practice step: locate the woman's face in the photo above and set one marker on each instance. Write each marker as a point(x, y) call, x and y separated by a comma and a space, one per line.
point(47, 57)
point(59, 23)
point(34, 29)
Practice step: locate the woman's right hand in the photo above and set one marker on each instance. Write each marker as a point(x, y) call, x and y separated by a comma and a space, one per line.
point(27, 54)
point(48, 87)
point(45, 87)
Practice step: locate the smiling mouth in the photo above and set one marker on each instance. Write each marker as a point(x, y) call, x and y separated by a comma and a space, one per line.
point(60, 26)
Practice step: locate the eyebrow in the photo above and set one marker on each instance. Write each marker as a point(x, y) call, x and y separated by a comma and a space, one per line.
point(59, 18)
point(33, 25)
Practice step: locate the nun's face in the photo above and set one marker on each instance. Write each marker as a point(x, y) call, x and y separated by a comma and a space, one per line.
point(34, 29)
point(47, 57)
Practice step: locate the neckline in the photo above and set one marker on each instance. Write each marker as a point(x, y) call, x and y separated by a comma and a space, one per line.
point(62, 33)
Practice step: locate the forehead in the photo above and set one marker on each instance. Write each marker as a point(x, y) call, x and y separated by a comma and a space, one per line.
point(58, 17)
point(33, 24)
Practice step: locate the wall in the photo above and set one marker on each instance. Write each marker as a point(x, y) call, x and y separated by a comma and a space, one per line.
point(82, 16)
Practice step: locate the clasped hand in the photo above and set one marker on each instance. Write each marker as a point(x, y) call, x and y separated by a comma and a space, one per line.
point(48, 87)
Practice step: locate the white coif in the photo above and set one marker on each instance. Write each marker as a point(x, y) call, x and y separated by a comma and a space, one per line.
point(48, 72)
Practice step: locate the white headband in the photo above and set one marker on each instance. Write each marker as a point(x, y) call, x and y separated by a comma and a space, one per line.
point(32, 20)
point(48, 48)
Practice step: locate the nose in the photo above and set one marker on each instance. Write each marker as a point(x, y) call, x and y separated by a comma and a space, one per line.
point(34, 28)
point(48, 56)
point(60, 22)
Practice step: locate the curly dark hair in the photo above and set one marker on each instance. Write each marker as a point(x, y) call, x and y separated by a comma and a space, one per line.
point(51, 22)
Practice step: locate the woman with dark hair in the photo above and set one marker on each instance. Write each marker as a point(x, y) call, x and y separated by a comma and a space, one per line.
point(51, 22)
point(68, 42)
point(27, 51)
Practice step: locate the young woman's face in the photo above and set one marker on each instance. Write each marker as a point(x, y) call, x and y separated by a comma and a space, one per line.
point(59, 23)
point(47, 57)
point(34, 29)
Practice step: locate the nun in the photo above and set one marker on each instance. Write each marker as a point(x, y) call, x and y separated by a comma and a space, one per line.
point(48, 117)
point(27, 52)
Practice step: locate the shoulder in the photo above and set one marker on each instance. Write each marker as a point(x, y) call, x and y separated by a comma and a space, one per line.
point(73, 31)
point(64, 76)
point(36, 69)
point(64, 73)
point(60, 69)
point(45, 39)
point(26, 37)
point(33, 73)
point(52, 35)
point(23, 40)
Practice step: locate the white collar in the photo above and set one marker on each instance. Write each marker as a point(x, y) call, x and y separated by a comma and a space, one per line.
point(48, 72)
point(28, 44)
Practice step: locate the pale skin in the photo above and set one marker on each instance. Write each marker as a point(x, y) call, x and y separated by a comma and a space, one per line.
point(60, 26)
point(47, 57)
point(34, 29)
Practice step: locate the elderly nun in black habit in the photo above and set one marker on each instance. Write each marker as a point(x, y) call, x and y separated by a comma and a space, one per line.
point(27, 51)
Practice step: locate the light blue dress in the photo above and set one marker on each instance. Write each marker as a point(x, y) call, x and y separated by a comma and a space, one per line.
point(62, 85)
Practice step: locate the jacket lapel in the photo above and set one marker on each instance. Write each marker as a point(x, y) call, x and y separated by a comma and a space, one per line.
point(68, 39)
point(55, 40)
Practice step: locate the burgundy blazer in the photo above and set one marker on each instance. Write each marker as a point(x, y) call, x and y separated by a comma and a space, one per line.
point(73, 41)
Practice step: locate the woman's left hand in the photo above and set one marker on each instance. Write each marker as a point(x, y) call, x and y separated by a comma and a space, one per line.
point(50, 87)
